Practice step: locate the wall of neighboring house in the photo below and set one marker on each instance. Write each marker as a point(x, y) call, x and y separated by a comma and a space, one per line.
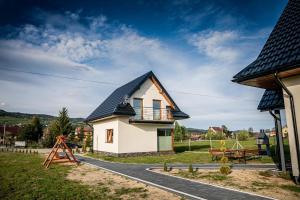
point(293, 84)
point(138, 137)
point(99, 136)
point(148, 91)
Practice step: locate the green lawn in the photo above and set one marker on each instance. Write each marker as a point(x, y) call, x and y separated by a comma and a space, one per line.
point(198, 154)
point(205, 145)
point(184, 157)
point(22, 176)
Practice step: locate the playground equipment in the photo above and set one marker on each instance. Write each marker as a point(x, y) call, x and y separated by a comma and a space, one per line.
point(60, 153)
point(237, 145)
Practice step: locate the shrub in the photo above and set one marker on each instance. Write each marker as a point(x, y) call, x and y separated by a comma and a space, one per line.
point(165, 167)
point(225, 169)
point(191, 170)
point(243, 135)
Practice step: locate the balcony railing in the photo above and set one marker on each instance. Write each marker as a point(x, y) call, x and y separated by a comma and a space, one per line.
point(152, 114)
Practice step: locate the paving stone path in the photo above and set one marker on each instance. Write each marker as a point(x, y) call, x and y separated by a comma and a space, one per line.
point(186, 188)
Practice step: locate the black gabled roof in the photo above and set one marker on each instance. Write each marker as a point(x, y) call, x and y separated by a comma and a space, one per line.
point(271, 99)
point(282, 50)
point(115, 103)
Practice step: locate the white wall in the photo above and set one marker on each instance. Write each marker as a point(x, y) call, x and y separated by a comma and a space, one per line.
point(130, 138)
point(293, 84)
point(138, 137)
point(99, 136)
point(148, 91)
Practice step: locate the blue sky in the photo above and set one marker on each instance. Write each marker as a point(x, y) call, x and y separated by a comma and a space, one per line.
point(194, 47)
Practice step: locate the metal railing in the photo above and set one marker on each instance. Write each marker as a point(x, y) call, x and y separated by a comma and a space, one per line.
point(150, 113)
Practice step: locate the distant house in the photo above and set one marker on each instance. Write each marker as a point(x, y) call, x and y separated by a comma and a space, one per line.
point(197, 134)
point(87, 130)
point(137, 118)
point(216, 129)
point(9, 131)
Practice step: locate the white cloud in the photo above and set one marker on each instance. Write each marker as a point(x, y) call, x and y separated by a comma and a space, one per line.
point(101, 51)
point(216, 44)
point(98, 22)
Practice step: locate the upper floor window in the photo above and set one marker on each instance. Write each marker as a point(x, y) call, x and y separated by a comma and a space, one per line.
point(138, 108)
point(109, 135)
point(156, 109)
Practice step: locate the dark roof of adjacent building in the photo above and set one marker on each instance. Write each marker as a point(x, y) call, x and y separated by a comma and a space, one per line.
point(281, 52)
point(271, 99)
point(116, 103)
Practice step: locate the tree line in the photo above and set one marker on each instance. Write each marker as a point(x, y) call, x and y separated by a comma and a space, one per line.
point(35, 132)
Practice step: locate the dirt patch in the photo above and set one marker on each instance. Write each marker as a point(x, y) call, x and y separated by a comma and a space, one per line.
point(118, 185)
point(260, 182)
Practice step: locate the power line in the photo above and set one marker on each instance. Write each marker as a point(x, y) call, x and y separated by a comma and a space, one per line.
point(115, 84)
point(57, 76)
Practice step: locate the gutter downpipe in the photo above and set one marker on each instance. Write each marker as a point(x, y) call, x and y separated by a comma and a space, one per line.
point(292, 105)
point(279, 139)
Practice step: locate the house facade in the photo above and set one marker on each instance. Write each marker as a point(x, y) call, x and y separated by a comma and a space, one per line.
point(137, 118)
point(277, 69)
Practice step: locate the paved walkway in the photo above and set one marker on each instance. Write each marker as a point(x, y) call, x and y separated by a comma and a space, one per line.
point(186, 188)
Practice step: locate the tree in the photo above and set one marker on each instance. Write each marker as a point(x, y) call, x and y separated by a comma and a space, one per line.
point(50, 135)
point(225, 130)
point(33, 131)
point(81, 133)
point(184, 133)
point(214, 136)
point(243, 135)
point(250, 130)
point(177, 132)
point(63, 124)
point(88, 141)
point(37, 129)
point(72, 136)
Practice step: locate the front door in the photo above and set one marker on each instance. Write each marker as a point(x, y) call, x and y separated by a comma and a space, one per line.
point(164, 140)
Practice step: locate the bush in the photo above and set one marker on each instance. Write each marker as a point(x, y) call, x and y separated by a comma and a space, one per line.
point(243, 135)
point(225, 169)
point(215, 136)
point(191, 170)
point(165, 167)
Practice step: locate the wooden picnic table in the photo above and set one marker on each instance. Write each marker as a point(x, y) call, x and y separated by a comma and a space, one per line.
point(240, 154)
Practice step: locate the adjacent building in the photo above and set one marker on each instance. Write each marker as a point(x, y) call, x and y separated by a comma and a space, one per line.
point(277, 69)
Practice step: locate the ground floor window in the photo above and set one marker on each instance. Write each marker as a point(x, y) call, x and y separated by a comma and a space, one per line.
point(109, 135)
point(164, 132)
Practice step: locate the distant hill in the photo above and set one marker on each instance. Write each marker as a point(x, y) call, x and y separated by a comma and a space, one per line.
point(13, 118)
point(196, 130)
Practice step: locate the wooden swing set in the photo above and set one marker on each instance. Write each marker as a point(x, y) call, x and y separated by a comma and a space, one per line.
point(60, 153)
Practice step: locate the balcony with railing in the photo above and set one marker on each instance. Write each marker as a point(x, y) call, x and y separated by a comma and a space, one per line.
point(152, 115)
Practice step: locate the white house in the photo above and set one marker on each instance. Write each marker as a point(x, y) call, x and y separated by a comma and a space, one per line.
point(137, 118)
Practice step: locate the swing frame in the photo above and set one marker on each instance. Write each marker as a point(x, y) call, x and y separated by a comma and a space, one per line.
point(54, 156)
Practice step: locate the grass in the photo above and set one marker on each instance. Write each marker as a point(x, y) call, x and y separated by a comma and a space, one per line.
point(217, 176)
point(292, 188)
point(203, 146)
point(22, 176)
point(199, 154)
